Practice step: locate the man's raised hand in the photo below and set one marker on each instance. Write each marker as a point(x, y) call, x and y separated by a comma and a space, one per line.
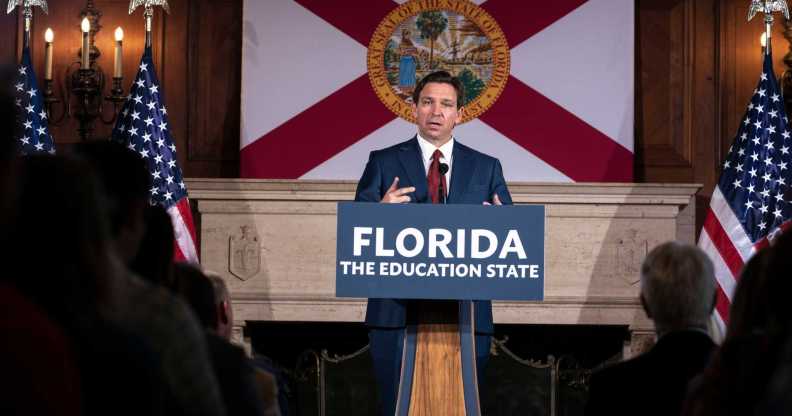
point(495, 200)
point(396, 195)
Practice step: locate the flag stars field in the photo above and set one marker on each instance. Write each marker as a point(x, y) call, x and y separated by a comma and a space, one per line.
point(143, 128)
point(34, 117)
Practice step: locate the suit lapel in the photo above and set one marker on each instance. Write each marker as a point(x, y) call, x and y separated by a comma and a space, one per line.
point(411, 160)
point(461, 172)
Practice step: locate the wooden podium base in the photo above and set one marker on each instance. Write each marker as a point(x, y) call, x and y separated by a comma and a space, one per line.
point(437, 387)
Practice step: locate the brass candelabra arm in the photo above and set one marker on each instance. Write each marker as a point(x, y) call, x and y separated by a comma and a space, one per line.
point(116, 97)
point(50, 100)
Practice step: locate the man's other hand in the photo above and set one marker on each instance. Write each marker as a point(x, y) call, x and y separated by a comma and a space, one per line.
point(495, 200)
point(397, 195)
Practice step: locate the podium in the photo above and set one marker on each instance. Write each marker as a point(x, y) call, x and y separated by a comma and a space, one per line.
point(437, 383)
point(442, 258)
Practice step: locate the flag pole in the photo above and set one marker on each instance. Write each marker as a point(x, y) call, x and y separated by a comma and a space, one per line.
point(148, 13)
point(28, 13)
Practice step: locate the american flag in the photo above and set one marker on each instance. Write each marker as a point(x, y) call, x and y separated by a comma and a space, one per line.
point(31, 127)
point(750, 204)
point(143, 127)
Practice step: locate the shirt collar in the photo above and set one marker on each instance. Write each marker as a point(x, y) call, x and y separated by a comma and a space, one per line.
point(427, 149)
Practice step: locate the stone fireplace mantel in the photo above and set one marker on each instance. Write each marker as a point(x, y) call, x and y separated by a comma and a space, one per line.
point(273, 241)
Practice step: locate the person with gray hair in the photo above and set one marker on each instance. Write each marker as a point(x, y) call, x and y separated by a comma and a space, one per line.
point(225, 316)
point(678, 293)
point(223, 326)
point(678, 287)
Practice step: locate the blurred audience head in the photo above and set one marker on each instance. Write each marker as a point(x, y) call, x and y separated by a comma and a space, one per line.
point(749, 308)
point(60, 237)
point(225, 315)
point(677, 287)
point(8, 149)
point(194, 287)
point(126, 183)
point(8, 114)
point(779, 286)
point(154, 260)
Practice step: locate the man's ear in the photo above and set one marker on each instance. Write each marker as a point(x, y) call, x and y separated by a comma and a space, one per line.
point(460, 113)
point(646, 308)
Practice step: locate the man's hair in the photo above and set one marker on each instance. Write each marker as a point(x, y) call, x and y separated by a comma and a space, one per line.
point(219, 286)
point(441, 77)
point(123, 173)
point(154, 259)
point(194, 287)
point(678, 285)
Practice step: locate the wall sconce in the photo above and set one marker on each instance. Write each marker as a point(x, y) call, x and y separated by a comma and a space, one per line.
point(85, 80)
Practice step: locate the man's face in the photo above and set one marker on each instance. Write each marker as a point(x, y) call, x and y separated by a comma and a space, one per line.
point(436, 112)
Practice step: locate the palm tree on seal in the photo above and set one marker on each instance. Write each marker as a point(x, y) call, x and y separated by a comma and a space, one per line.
point(431, 24)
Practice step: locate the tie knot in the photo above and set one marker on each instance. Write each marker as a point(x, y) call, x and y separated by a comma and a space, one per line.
point(437, 155)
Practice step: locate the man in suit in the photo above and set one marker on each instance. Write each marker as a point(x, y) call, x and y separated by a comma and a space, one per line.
point(431, 167)
point(678, 294)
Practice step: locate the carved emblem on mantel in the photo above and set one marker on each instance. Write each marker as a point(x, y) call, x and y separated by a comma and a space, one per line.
point(244, 253)
point(630, 252)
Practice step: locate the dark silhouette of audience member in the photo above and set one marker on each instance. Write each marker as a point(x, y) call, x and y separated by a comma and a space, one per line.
point(267, 384)
point(61, 260)
point(148, 311)
point(40, 374)
point(8, 149)
point(126, 182)
point(154, 259)
point(775, 397)
point(749, 312)
point(232, 367)
point(734, 380)
point(678, 294)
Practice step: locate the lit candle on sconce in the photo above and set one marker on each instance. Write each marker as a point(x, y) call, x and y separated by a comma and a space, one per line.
point(48, 37)
point(117, 64)
point(86, 48)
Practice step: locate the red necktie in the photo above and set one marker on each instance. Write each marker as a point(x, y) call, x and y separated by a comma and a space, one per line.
point(435, 179)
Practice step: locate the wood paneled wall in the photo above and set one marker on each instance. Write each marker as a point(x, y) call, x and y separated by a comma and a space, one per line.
point(697, 62)
point(197, 54)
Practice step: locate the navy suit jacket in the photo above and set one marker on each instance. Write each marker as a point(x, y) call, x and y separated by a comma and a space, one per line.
point(475, 178)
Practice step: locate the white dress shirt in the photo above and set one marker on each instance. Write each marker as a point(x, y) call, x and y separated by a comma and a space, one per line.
point(428, 149)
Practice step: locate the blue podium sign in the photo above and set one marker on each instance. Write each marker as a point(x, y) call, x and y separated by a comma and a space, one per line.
point(432, 251)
